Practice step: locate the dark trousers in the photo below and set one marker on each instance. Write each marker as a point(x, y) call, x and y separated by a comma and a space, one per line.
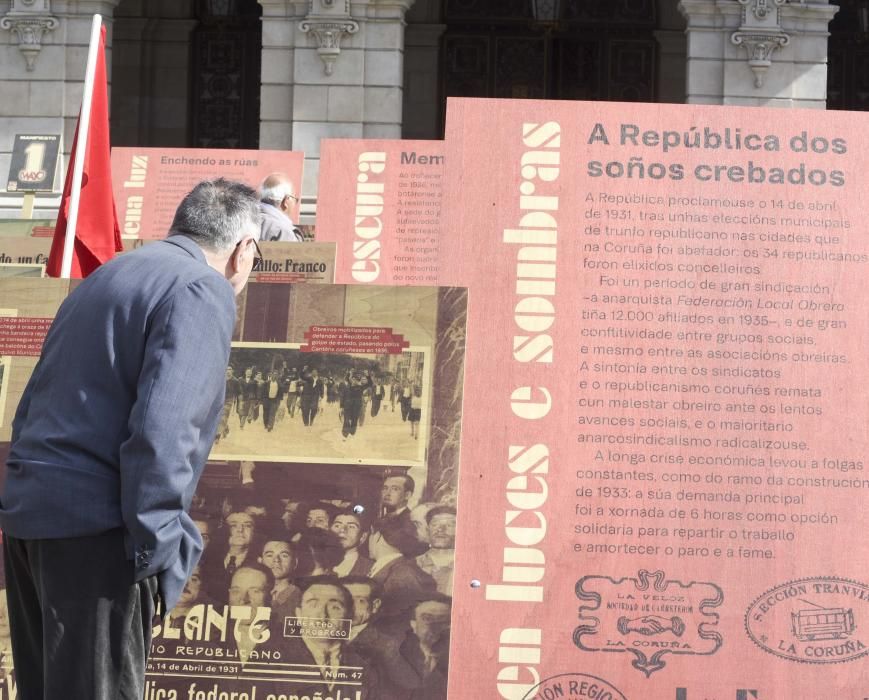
point(270, 412)
point(351, 418)
point(309, 411)
point(80, 624)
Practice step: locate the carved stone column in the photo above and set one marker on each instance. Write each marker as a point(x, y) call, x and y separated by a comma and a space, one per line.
point(29, 20)
point(330, 69)
point(328, 21)
point(760, 33)
point(757, 52)
point(43, 52)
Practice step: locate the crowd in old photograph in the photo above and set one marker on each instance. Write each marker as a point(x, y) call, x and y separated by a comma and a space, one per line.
point(267, 395)
point(386, 569)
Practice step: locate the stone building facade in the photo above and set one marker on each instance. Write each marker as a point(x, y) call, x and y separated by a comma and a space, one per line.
point(283, 74)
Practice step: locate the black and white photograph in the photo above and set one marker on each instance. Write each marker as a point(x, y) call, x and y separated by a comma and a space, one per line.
point(330, 575)
point(327, 570)
point(284, 404)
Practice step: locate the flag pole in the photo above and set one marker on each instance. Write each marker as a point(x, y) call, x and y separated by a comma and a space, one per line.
point(81, 147)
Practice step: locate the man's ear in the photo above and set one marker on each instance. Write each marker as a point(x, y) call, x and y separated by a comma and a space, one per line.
point(234, 261)
point(246, 248)
point(286, 204)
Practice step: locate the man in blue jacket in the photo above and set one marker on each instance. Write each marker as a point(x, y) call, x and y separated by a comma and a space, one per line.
point(108, 443)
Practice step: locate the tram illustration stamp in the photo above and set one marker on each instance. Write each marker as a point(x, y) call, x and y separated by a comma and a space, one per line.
point(574, 686)
point(648, 617)
point(820, 620)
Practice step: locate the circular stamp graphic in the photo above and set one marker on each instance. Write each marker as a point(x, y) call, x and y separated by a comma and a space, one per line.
point(574, 686)
point(821, 620)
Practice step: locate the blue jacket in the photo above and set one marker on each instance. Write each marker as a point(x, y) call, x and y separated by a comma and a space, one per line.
point(114, 427)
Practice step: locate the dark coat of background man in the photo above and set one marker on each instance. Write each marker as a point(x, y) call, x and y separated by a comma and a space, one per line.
point(277, 200)
point(108, 443)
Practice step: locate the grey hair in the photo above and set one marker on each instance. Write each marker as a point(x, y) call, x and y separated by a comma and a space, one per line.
point(274, 188)
point(217, 214)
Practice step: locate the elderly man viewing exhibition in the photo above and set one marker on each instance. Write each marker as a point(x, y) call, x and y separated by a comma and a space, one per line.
point(277, 199)
point(108, 443)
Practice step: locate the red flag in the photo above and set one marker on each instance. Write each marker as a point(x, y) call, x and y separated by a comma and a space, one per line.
point(97, 236)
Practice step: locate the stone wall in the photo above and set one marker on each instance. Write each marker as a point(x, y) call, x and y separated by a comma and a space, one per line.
point(312, 91)
point(758, 52)
point(41, 87)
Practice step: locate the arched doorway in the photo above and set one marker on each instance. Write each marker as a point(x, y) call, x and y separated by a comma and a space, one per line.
point(227, 51)
point(593, 50)
point(186, 73)
point(848, 58)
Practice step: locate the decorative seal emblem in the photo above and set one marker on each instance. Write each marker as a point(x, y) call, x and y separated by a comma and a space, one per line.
point(574, 686)
point(819, 620)
point(648, 617)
